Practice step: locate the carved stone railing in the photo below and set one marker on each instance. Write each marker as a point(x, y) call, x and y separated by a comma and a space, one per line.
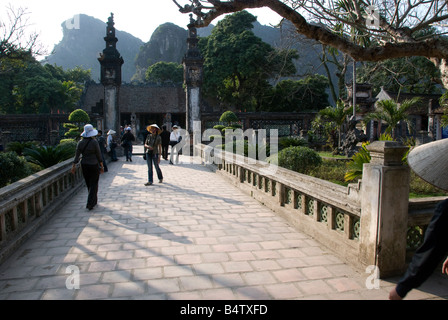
point(361, 222)
point(421, 211)
point(27, 204)
point(324, 210)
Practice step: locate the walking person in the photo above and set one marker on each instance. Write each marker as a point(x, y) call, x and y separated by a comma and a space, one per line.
point(153, 150)
point(429, 162)
point(91, 163)
point(165, 135)
point(112, 145)
point(174, 140)
point(103, 147)
point(126, 143)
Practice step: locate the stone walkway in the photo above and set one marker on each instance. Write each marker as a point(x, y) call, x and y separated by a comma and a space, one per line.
point(193, 237)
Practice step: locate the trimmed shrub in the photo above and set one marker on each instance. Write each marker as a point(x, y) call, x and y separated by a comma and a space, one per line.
point(299, 159)
point(13, 168)
point(70, 143)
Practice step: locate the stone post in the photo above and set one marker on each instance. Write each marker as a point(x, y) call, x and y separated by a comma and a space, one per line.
point(384, 208)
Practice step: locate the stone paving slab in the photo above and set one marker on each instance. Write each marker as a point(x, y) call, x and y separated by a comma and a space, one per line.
point(192, 237)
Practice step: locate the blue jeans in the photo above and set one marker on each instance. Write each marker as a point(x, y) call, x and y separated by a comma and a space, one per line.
point(128, 152)
point(150, 160)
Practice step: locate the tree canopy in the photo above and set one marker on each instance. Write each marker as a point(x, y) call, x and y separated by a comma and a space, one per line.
point(365, 30)
point(27, 87)
point(238, 64)
point(165, 72)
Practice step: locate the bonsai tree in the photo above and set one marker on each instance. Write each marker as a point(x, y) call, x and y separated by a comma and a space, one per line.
point(78, 119)
point(230, 118)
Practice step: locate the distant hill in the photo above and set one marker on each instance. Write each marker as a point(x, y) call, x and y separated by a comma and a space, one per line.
point(168, 43)
point(80, 47)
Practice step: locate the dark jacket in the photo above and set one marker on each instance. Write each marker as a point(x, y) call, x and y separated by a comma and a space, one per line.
point(165, 137)
point(90, 150)
point(127, 138)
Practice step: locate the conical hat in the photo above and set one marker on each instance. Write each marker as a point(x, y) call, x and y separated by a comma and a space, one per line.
point(159, 131)
point(430, 162)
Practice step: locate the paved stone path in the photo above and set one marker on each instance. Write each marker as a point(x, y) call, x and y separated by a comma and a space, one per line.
point(193, 237)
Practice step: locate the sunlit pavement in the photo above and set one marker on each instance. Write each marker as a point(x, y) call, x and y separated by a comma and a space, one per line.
point(193, 237)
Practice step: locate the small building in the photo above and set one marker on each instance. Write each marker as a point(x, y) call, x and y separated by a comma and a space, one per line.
point(425, 116)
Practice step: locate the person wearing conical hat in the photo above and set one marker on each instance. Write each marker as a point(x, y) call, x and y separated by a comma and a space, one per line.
point(429, 162)
point(153, 151)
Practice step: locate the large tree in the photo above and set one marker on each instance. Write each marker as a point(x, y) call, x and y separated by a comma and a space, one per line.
point(392, 30)
point(15, 43)
point(238, 64)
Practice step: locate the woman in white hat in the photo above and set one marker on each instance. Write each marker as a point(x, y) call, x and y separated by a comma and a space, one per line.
point(111, 145)
point(174, 140)
point(91, 163)
point(429, 162)
point(153, 150)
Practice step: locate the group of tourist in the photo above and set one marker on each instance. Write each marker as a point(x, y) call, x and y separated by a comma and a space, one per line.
point(93, 147)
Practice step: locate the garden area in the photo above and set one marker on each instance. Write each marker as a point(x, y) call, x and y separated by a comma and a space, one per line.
point(23, 159)
point(296, 154)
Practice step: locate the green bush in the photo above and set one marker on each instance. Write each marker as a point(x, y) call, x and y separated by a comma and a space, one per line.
point(13, 168)
point(248, 149)
point(48, 156)
point(70, 143)
point(18, 147)
point(330, 170)
point(219, 127)
point(420, 188)
point(229, 117)
point(299, 159)
point(79, 116)
point(291, 141)
point(77, 119)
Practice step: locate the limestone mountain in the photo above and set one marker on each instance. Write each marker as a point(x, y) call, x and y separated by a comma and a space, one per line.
point(81, 45)
point(168, 43)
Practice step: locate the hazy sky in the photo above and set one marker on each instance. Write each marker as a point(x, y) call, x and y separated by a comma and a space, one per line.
point(139, 18)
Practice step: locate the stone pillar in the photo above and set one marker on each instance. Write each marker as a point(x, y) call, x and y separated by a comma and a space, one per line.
point(384, 208)
point(193, 72)
point(54, 137)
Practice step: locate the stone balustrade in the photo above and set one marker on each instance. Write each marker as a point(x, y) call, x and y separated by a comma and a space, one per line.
point(27, 204)
point(372, 222)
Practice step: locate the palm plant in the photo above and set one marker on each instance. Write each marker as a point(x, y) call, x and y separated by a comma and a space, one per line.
point(355, 166)
point(48, 156)
point(393, 113)
point(337, 115)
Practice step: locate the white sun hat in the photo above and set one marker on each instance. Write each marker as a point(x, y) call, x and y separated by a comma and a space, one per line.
point(89, 131)
point(430, 162)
